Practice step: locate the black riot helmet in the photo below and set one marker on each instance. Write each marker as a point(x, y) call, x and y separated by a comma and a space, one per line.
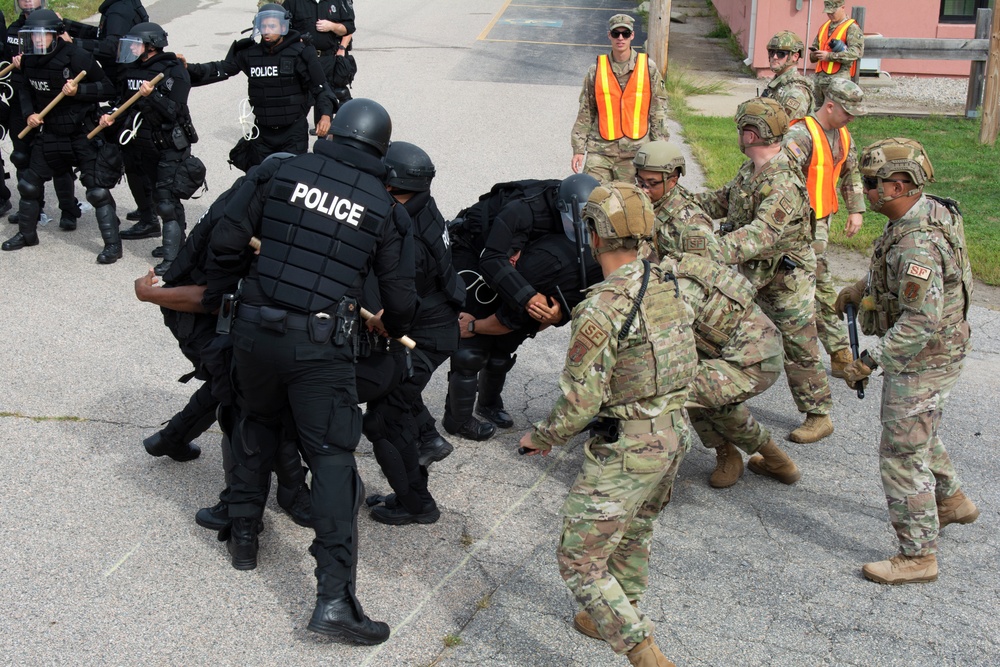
point(271, 18)
point(364, 124)
point(28, 6)
point(573, 193)
point(410, 167)
point(40, 33)
point(139, 37)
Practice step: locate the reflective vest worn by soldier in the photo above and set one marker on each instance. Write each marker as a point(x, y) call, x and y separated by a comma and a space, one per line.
point(824, 167)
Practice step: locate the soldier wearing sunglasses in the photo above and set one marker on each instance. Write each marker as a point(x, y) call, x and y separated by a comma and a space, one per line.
point(623, 106)
point(791, 90)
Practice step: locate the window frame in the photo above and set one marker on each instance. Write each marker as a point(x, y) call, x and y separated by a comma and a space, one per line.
point(963, 18)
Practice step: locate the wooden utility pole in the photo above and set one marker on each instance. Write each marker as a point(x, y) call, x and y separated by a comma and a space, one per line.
point(659, 33)
point(858, 14)
point(977, 72)
point(991, 98)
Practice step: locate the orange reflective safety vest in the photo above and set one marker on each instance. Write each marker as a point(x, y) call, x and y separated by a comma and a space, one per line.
point(821, 180)
point(623, 113)
point(824, 45)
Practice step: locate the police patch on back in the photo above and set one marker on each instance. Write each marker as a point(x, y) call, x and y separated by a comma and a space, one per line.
point(326, 203)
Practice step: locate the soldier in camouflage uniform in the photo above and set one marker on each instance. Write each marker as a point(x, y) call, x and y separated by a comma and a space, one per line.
point(793, 91)
point(769, 233)
point(681, 225)
point(835, 56)
point(835, 159)
point(610, 159)
point(739, 357)
point(630, 324)
point(916, 300)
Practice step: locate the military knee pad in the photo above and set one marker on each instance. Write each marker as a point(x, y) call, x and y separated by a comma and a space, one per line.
point(468, 361)
point(99, 196)
point(30, 186)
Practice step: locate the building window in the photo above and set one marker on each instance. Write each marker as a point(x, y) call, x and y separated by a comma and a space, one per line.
point(962, 11)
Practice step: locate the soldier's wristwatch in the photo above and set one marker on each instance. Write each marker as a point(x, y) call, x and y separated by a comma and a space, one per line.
point(471, 328)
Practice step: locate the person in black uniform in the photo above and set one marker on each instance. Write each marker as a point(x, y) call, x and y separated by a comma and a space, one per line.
point(20, 153)
point(324, 220)
point(330, 26)
point(153, 153)
point(180, 301)
point(392, 422)
point(484, 240)
point(117, 19)
point(49, 64)
point(283, 79)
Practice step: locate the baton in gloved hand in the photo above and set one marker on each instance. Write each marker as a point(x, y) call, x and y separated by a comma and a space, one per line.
point(852, 334)
point(123, 108)
point(59, 98)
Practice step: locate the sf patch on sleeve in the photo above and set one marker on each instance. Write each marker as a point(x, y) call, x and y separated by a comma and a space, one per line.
point(587, 344)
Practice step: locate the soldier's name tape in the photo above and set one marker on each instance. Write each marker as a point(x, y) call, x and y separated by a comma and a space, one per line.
point(330, 205)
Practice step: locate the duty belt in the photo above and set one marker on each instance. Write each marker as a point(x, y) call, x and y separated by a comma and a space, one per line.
point(612, 429)
point(252, 314)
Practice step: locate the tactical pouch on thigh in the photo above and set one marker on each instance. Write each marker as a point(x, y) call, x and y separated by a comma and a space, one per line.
point(110, 166)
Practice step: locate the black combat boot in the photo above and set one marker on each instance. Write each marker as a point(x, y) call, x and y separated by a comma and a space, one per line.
point(134, 215)
point(67, 223)
point(338, 615)
point(433, 447)
point(297, 503)
point(241, 541)
point(214, 518)
point(458, 419)
point(173, 239)
point(491, 382)
point(146, 228)
point(107, 222)
point(19, 240)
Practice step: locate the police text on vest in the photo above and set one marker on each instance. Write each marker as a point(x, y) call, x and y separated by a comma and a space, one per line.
point(330, 205)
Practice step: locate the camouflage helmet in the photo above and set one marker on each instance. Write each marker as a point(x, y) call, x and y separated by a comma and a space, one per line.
point(765, 116)
point(620, 211)
point(897, 155)
point(786, 40)
point(660, 156)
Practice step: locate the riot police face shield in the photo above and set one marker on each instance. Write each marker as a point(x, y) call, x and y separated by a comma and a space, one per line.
point(270, 26)
point(130, 49)
point(28, 6)
point(37, 41)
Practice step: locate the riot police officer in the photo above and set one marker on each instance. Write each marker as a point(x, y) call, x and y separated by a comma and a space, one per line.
point(392, 422)
point(118, 17)
point(49, 64)
point(284, 79)
point(328, 221)
point(21, 148)
point(330, 27)
point(156, 134)
point(484, 240)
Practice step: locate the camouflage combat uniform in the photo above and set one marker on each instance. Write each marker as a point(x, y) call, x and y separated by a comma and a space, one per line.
point(855, 43)
point(612, 160)
point(682, 227)
point(917, 300)
point(831, 329)
point(768, 218)
point(739, 353)
point(641, 380)
point(792, 91)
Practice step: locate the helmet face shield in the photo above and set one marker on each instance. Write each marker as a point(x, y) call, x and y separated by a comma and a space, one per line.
point(270, 23)
point(129, 49)
point(37, 41)
point(28, 6)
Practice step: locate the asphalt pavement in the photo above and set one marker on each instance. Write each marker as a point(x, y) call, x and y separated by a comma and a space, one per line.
point(102, 563)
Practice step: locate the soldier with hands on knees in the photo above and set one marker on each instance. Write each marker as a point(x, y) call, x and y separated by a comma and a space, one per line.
point(916, 300)
point(622, 106)
point(793, 91)
point(769, 234)
point(324, 221)
point(631, 358)
point(284, 79)
point(49, 66)
point(155, 134)
point(837, 48)
point(825, 151)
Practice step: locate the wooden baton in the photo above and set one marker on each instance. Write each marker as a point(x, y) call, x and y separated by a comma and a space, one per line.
point(406, 341)
point(59, 98)
point(120, 110)
point(6, 70)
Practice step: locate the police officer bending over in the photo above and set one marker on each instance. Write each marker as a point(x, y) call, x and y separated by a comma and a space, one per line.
point(324, 220)
point(283, 78)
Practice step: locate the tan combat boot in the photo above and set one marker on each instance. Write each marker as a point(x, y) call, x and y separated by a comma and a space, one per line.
point(647, 654)
point(902, 569)
point(839, 361)
point(584, 623)
point(956, 508)
point(813, 429)
point(728, 466)
point(770, 461)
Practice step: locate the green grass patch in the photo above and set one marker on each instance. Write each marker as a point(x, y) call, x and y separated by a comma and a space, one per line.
point(70, 9)
point(964, 169)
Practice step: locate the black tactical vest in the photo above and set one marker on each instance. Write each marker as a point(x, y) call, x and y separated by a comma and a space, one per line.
point(320, 225)
point(47, 75)
point(430, 229)
point(155, 129)
point(276, 94)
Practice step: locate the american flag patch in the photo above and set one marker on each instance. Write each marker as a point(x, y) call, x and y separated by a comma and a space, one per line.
point(917, 271)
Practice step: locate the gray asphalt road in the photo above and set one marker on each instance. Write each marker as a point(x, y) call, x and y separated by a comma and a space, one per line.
point(102, 563)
